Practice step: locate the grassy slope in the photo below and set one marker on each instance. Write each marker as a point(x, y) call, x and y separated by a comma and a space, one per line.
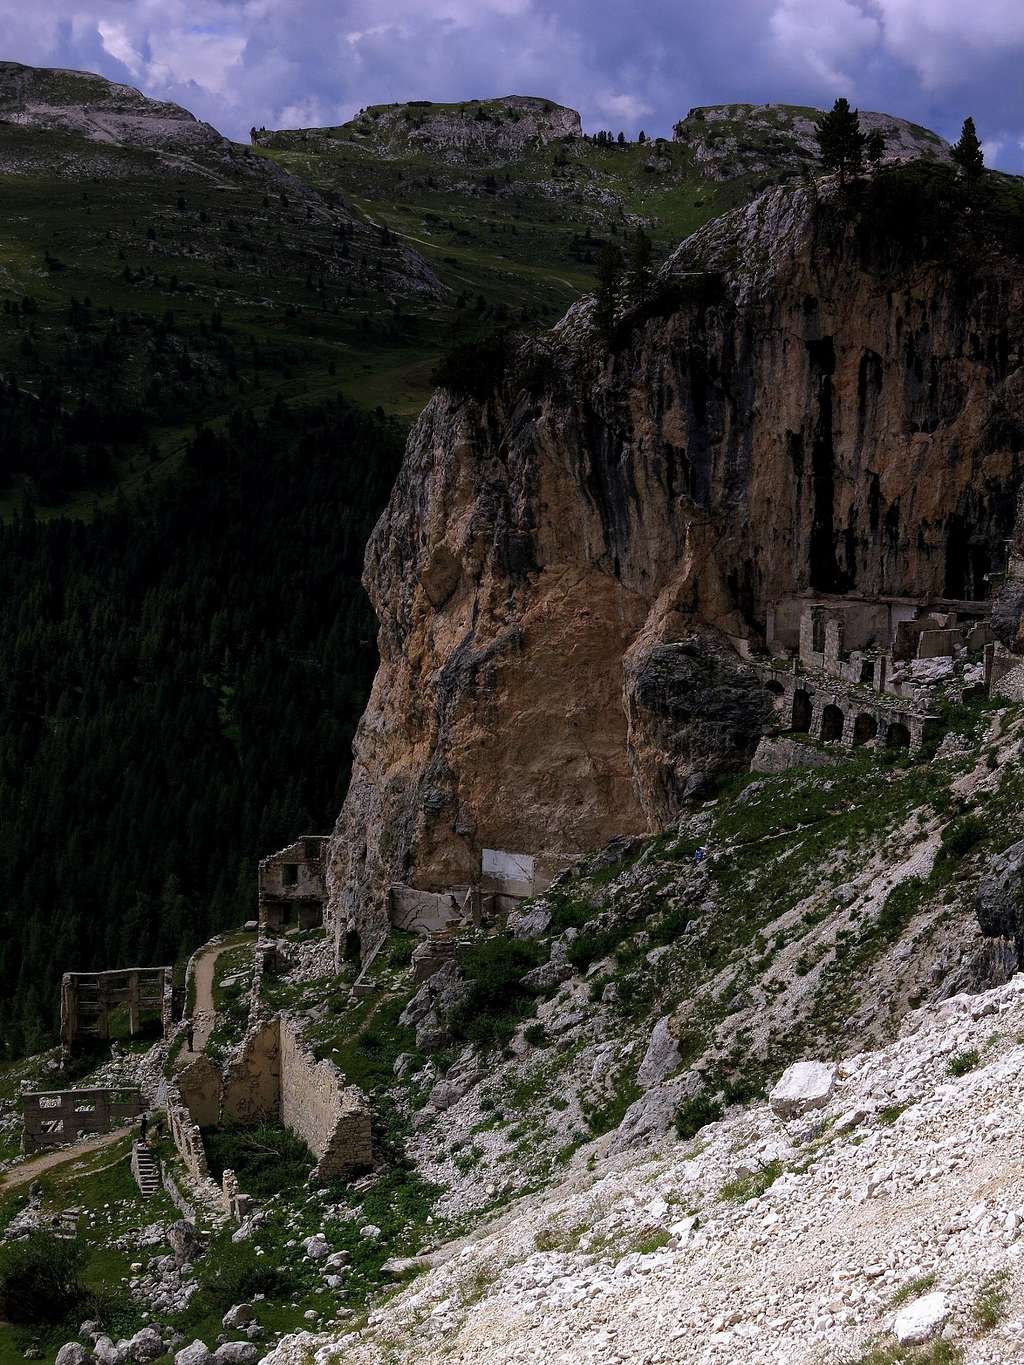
point(209, 288)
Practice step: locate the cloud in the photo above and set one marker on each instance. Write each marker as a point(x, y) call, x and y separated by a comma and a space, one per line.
point(288, 62)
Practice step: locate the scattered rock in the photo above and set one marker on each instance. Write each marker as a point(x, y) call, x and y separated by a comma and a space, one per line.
point(196, 1354)
point(238, 1316)
point(185, 1242)
point(237, 1353)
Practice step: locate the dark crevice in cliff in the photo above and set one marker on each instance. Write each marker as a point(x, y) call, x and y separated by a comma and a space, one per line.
point(825, 572)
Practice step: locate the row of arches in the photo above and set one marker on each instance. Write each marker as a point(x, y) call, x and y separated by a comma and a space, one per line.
point(866, 724)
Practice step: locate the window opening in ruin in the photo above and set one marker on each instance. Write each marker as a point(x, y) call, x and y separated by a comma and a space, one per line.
point(290, 874)
point(897, 737)
point(818, 633)
point(865, 729)
point(867, 671)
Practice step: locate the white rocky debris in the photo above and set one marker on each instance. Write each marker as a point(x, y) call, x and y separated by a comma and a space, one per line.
point(883, 1216)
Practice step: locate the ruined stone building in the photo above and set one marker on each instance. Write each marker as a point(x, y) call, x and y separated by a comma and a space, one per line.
point(291, 886)
point(90, 1002)
point(850, 669)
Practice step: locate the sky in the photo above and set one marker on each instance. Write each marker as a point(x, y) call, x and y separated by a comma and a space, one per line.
point(626, 64)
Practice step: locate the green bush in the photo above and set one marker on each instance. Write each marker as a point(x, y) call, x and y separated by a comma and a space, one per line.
point(959, 837)
point(693, 1115)
point(474, 369)
point(962, 1062)
point(40, 1280)
point(495, 1002)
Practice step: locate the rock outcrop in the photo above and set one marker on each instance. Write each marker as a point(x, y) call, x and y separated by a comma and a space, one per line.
point(821, 393)
point(90, 106)
point(492, 131)
point(730, 140)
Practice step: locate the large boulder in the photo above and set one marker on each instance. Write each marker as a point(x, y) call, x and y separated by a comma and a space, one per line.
point(145, 1346)
point(238, 1316)
point(921, 1320)
point(72, 1353)
point(654, 1113)
point(803, 1086)
point(198, 1353)
point(186, 1243)
point(237, 1353)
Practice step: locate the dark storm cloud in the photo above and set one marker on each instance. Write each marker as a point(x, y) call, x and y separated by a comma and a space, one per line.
point(289, 62)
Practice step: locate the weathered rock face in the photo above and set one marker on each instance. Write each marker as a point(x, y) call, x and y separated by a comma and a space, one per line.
point(808, 401)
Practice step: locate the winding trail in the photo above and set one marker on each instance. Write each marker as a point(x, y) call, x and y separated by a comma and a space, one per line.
point(21, 1175)
point(204, 1015)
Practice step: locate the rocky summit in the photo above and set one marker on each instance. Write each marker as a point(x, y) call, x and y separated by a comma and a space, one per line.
point(511, 737)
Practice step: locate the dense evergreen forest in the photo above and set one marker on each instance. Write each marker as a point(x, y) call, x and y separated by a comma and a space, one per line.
point(180, 680)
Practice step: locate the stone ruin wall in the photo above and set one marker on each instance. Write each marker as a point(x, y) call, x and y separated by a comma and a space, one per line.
point(273, 1077)
point(332, 1118)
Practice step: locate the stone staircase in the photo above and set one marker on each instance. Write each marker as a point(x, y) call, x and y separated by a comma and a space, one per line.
point(145, 1169)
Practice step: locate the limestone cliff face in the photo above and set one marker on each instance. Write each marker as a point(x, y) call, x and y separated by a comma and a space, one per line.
point(564, 570)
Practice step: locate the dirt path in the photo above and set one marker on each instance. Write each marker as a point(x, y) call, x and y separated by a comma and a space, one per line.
point(204, 1015)
point(21, 1175)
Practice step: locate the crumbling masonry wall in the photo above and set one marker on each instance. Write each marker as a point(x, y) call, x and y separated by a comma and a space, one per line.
point(273, 1077)
point(332, 1118)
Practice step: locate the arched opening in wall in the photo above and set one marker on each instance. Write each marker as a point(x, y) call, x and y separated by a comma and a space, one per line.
point(777, 693)
point(831, 723)
point(865, 729)
point(802, 710)
point(353, 948)
point(897, 736)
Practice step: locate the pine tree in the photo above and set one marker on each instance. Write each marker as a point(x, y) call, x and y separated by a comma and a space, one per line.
point(874, 148)
point(622, 139)
point(640, 258)
point(642, 138)
point(609, 274)
point(968, 154)
point(840, 140)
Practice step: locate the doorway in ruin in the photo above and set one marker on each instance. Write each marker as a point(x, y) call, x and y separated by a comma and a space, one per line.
point(777, 693)
point(897, 736)
point(802, 711)
point(831, 723)
point(865, 729)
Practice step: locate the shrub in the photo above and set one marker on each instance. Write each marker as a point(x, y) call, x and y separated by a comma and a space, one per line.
point(695, 1114)
point(743, 1188)
point(266, 1157)
point(962, 1062)
point(495, 1002)
point(39, 1279)
point(959, 837)
point(474, 369)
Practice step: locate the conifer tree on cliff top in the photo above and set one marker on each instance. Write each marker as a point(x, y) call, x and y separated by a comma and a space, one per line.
point(968, 154)
point(841, 140)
